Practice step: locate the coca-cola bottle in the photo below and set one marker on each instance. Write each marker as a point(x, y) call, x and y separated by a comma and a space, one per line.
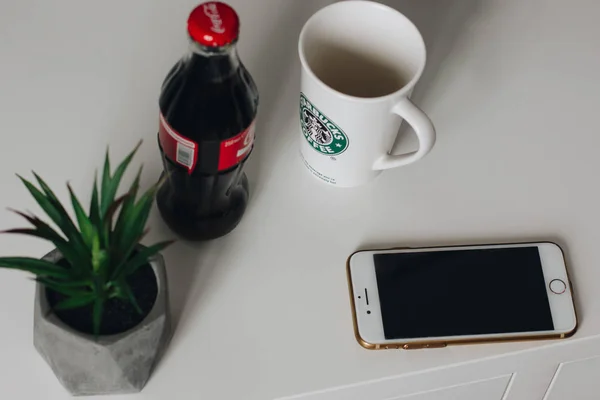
point(208, 106)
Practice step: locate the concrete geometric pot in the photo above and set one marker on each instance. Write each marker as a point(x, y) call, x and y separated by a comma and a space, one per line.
point(111, 364)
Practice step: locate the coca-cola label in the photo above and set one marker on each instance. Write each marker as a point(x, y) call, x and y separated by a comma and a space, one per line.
point(235, 149)
point(184, 151)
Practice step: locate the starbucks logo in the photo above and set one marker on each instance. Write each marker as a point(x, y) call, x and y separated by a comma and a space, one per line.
point(321, 133)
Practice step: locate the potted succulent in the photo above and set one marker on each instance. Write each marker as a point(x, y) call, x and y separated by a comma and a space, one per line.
point(102, 314)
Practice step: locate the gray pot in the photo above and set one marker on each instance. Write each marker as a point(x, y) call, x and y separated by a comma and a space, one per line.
point(112, 364)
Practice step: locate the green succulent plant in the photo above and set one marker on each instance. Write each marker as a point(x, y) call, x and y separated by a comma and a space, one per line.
point(101, 252)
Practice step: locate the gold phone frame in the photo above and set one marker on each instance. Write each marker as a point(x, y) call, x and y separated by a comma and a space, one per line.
point(438, 344)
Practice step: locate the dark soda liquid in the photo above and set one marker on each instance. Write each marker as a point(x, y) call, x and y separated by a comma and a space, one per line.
point(207, 97)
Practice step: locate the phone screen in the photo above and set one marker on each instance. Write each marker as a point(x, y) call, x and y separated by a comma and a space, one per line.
point(462, 292)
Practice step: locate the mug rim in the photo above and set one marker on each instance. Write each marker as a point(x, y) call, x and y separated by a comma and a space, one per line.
point(403, 90)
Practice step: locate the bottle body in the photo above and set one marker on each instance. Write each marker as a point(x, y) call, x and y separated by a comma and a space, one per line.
point(208, 105)
point(203, 207)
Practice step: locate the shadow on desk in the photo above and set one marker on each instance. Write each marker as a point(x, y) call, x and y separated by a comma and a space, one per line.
point(190, 269)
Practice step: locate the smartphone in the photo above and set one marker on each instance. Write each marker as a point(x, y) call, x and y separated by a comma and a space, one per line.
point(432, 297)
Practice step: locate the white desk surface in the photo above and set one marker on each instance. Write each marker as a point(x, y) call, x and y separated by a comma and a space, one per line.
point(514, 90)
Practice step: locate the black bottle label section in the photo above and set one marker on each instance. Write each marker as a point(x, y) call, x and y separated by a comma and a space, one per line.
point(217, 156)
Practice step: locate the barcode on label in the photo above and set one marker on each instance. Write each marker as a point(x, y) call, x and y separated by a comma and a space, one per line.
point(185, 155)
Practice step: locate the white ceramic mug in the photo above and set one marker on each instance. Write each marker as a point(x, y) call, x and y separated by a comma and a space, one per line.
point(360, 62)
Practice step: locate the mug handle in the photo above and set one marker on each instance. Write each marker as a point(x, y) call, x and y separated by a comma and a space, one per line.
point(422, 126)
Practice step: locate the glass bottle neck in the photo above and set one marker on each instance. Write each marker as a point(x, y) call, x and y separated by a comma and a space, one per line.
point(217, 63)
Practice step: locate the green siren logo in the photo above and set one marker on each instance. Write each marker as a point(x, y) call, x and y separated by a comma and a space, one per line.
point(322, 134)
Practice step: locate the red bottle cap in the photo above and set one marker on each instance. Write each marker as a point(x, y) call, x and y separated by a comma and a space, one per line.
point(213, 24)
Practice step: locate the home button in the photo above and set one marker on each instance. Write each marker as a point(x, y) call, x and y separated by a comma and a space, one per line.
point(557, 286)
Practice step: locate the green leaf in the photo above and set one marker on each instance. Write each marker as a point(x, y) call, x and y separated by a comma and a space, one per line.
point(99, 255)
point(85, 225)
point(39, 224)
point(136, 221)
point(135, 185)
point(94, 204)
point(65, 249)
point(57, 213)
point(68, 289)
point(103, 263)
point(127, 294)
point(37, 267)
point(45, 231)
point(139, 259)
point(97, 315)
point(65, 218)
point(80, 283)
point(45, 204)
point(107, 235)
point(108, 218)
point(105, 186)
point(117, 249)
point(75, 302)
point(110, 184)
point(26, 231)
